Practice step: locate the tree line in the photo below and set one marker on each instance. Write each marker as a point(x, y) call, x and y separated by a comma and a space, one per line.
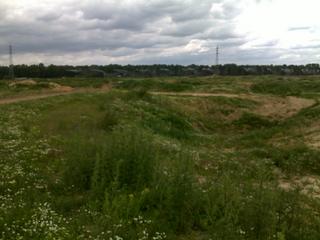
point(58, 71)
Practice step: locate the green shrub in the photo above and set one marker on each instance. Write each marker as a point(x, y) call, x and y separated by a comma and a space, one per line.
point(175, 197)
point(79, 161)
point(137, 94)
point(167, 122)
point(297, 159)
point(110, 119)
point(309, 113)
point(3, 84)
point(127, 161)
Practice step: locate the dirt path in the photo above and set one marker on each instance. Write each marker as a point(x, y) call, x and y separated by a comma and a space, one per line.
point(16, 99)
point(31, 97)
point(269, 106)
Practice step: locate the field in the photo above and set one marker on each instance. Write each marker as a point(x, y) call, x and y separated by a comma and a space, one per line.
point(160, 158)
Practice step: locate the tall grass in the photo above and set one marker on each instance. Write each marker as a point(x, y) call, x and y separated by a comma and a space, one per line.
point(287, 87)
point(126, 161)
point(139, 171)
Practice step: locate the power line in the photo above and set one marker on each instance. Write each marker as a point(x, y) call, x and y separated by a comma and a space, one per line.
point(11, 71)
point(217, 55)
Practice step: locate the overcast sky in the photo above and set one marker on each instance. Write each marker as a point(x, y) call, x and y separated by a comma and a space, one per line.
point(160, 31)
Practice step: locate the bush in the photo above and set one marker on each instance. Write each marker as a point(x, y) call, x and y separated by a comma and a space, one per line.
point(110, 119)
point(165, 121)
point(79, 162)
point(127, 161)
point(297, 159)
point(138, 94)
point(182, 200)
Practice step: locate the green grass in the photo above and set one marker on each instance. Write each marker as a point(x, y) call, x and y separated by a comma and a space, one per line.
point(290, 86)
point(132, 165)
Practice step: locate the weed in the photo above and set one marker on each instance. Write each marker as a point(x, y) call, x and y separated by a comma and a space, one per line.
point(131, 165)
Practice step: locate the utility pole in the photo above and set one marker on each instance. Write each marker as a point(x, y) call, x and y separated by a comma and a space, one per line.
point(217, 55)
point(11, 71)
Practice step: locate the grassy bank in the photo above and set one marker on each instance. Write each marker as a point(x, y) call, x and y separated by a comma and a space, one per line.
point(132, 165)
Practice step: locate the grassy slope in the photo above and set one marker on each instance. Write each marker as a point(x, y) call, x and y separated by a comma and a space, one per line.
point(128, 164)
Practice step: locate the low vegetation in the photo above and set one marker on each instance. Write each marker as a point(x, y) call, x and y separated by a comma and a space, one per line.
point(287, 86)
point(129, 164)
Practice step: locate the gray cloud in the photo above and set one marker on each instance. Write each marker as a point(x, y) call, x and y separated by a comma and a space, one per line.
point(299, 28)
point(266, 44)
point(311, 46)
point(128, 31)
point(49, 16)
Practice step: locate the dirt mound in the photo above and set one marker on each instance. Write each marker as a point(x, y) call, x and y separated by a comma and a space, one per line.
point(277, 107)
point(60, 88)
point(27, 82)
point(31, 83)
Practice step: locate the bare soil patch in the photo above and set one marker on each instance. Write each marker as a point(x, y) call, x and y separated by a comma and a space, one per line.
point(278, 107)
point(31, 97)
point(312, 135)
point(106, 87)
point(308, 185)
point(56, 90)
point(60, 88)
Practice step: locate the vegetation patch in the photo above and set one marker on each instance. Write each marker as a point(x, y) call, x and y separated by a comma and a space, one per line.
point(131, 165)
point(287, 86)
